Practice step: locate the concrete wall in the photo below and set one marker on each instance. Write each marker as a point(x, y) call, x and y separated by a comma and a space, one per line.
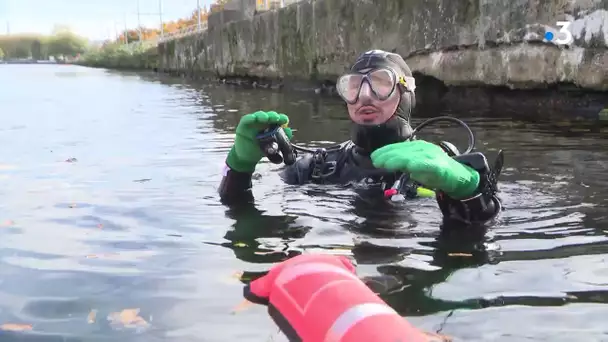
point(460, 42)
point(248, 7)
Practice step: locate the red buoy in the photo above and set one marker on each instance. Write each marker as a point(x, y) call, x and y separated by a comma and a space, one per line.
point(319, 298)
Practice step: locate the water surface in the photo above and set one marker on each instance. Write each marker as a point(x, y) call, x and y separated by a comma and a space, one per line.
point(109, 202)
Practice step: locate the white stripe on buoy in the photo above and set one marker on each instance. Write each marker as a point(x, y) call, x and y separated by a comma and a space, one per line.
point(354, 315)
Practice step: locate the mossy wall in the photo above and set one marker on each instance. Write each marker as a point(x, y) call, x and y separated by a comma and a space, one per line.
point(461, 42)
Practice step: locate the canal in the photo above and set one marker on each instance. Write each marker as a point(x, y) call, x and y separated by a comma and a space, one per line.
point(111, 227)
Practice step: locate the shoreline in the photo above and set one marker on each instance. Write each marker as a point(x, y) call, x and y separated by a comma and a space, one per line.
point(488, 58)
point(556, 101)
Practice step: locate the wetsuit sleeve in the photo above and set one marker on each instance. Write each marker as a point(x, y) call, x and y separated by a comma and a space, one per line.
point(483, 205)
point(235, 187)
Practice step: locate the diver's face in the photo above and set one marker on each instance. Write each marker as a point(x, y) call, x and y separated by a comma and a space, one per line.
point(369, 110)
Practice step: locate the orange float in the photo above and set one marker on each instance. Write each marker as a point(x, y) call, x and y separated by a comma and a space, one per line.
point(319, 298)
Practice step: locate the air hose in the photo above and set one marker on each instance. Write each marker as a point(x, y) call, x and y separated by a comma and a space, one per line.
point(471, 136)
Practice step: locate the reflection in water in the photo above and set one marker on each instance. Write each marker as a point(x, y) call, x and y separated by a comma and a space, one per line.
point(252, 224)
point(135, 221)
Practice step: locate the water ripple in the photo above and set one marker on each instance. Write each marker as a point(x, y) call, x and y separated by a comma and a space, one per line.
point(109, 202)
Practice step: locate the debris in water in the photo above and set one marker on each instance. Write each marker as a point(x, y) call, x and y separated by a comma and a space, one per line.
point(71, 160)
point(8, 223)
point(15, 327)
point(434, 337)
point(91, 317)
point(127, 318)
point(230, 280)
point(97, 256)
point(244, 305)
point(460, 254)
point(143, 180)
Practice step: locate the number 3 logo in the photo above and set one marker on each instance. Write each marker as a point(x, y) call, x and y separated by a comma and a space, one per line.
point(564, 31)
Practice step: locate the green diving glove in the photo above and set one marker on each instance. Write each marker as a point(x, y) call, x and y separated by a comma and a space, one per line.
point(428, 165)
point(246, 153)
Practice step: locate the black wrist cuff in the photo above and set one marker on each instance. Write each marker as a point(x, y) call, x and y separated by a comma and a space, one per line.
point(483, 205)
point(234, 184)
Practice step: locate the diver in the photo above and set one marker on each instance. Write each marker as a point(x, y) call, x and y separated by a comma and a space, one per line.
point(379, 91)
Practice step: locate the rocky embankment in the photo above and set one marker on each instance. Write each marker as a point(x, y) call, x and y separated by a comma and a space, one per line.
point(450, 44)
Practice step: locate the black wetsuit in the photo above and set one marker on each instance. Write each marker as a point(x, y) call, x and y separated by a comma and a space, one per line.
point(349, 164)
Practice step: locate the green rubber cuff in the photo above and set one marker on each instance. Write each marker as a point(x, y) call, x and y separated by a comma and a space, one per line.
point(238, 165)
point(465, 187)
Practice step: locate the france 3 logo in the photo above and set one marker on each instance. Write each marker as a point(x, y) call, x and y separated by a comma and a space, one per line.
point(563, 36)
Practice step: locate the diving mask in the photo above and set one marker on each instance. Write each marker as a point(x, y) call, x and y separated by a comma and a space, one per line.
point(382, 83)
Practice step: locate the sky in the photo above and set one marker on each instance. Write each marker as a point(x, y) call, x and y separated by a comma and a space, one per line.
point(94, 19)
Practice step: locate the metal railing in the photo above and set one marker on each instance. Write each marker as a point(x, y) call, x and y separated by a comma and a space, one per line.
point(148, 42)
point(195, 29)
point(185, 32)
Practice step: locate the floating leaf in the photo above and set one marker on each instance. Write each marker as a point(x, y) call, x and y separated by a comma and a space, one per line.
point(434, 337)
point(129, 318)
point(15, 327)
point(460, 254)
point(229, 280)
point(91, 317)
point(244, 305)
point(8, 223)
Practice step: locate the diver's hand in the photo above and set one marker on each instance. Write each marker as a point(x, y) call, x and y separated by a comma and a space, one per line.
point(429, 165)
point(246, 153)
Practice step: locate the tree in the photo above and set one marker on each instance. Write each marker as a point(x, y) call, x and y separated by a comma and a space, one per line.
point(60, 29)
point(36, 50)
point(66, 44)
point(168, 27)
point(21, 51)
point(1, 54)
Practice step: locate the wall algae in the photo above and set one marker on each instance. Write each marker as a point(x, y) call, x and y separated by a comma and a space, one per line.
point(473, 43)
